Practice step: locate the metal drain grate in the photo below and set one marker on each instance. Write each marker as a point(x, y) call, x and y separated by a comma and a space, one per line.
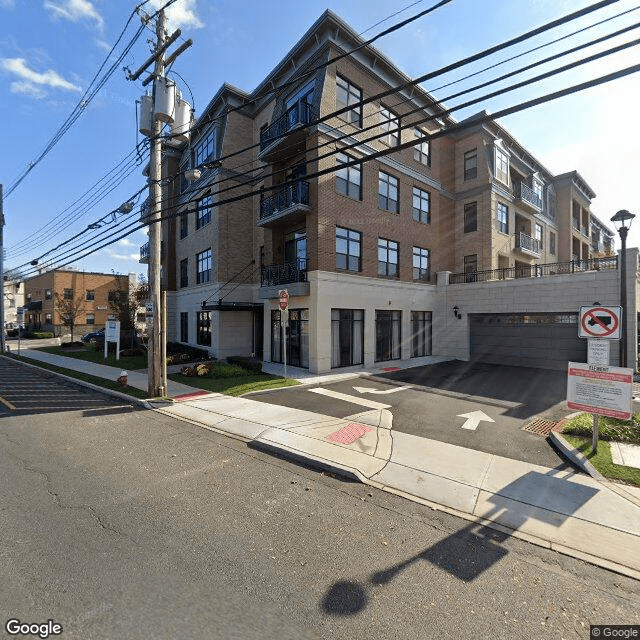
point(543, 427)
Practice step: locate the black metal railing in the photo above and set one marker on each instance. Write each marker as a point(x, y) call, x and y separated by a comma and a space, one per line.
point(145, 209)
point(300, 113)
point(144, 252)
point(277, 274)
point(527, 194)
point(536, 270)
point(523, 241)
point(281, 199)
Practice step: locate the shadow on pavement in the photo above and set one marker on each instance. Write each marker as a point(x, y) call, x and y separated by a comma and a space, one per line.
point(535, 390)
point(469, 552)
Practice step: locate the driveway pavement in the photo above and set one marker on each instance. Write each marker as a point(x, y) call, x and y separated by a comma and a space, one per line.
point(440, 402)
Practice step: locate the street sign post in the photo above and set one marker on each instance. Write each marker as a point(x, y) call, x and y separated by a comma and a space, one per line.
point(20, 311)
point(284, 307)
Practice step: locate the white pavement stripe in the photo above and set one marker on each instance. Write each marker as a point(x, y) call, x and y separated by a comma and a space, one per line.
point(353, 399)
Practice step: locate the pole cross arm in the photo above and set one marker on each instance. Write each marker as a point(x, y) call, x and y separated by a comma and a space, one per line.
point(154, 57)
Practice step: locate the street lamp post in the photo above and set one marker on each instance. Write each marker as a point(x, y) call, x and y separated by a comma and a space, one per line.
point(619, 220)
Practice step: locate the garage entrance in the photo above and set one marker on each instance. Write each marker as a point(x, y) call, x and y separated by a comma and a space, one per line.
point(542, 340)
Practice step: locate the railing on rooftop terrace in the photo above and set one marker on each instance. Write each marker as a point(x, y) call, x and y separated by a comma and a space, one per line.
point(536, 270)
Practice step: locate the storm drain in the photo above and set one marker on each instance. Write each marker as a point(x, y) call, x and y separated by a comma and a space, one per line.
point(543, 427)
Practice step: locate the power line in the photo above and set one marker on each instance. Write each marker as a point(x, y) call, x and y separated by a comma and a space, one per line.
point(480, 119)
point(82, 205)
point(87, 96)
point(549, 25)
point(247, 174)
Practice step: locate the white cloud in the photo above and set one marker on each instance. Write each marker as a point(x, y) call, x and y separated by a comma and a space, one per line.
point(28, 88)
point(75, 11)
point(32, 82)
point(180, 14)
point(131, 257)
point(7, 4)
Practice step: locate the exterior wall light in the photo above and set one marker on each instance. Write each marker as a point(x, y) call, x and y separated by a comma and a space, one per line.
point(456, 312)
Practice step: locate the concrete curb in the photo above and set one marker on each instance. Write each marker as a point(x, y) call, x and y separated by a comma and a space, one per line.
point(84, 383)
point(575, 456)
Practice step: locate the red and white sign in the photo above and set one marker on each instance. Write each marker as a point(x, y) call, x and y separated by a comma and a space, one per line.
point(605, 391)
point(284, 299)
point(600, 322)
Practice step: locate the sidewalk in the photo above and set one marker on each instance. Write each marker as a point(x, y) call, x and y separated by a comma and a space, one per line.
point(567, 511)
point(137, 379)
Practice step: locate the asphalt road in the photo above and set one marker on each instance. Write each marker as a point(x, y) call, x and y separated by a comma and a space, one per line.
point(130, 525)
point(435, 402)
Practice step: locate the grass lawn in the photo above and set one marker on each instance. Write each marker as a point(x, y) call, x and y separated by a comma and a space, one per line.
point(235, 385)
point(610, 428)
point(100, 382)
point(90, 354)
point(602, 460)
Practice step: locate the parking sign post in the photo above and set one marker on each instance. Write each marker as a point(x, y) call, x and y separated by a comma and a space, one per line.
point(284, 309)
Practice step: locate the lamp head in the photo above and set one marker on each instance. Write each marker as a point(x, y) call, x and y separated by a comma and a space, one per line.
point(621, 217)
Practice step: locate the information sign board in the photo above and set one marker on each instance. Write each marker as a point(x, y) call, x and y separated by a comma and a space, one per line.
point(601, 390)
point(598, 351)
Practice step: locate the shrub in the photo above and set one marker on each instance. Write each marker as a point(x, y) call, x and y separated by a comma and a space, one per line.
point(132, 353)
point(178, 358)
point(251, 365)
point(69, 345)
point(194, 353)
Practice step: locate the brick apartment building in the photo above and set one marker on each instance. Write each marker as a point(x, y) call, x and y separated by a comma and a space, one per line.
point(357, 247)
point(93, 290)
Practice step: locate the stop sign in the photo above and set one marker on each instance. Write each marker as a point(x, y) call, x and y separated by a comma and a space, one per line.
point(284, 299)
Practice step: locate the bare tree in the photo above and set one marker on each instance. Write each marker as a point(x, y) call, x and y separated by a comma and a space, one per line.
point(69, 310)
point(124, 303)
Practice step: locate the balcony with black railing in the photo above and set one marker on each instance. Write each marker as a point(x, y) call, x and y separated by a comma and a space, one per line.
point(528, 245)
point(278, 135)
point(276, 275)
point(290, 202)
point(526, 195)
point(144, 254)
point(145, 209)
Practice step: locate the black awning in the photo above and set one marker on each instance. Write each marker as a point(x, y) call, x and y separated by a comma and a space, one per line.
point(232, 306)
point(34, 305)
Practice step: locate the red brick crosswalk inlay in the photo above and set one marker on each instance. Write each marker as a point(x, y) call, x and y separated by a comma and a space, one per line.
point(350, 433)
point(190, 396)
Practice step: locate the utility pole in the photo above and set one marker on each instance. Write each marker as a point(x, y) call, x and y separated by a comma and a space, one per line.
point(155, 205)
point(157, 377)
point(2, 343)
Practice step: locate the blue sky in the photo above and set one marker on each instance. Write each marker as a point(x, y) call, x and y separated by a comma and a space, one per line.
point(51, 49)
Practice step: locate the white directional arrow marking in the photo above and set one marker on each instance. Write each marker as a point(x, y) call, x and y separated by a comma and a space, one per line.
point(474, 418)
point(372, 404)
point(379, 391)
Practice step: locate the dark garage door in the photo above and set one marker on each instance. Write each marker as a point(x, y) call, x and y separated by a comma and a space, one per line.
point(544, 340)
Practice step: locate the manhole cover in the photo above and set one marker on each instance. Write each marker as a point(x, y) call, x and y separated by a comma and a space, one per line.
point(544, 427)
